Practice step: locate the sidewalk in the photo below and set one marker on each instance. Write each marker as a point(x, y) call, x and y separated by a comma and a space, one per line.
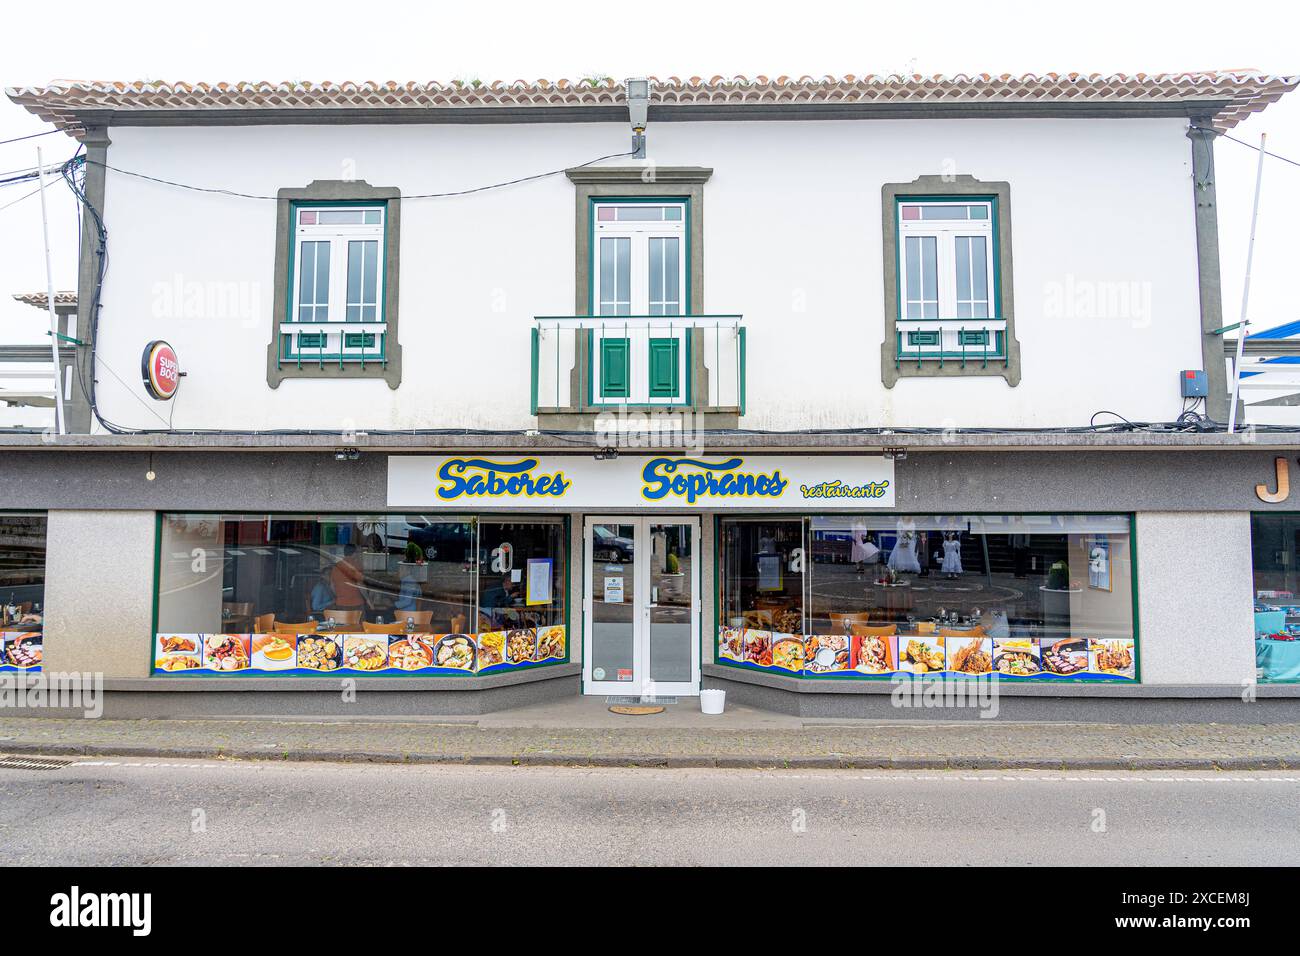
point(584, 733)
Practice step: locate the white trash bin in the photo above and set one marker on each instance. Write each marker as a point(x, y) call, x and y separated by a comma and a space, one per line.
point(712, 701)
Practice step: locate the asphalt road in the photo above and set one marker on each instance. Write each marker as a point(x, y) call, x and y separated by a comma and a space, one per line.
point(241, 813)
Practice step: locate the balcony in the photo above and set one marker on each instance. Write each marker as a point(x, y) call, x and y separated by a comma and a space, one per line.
point(960, 341)
point(586, 365)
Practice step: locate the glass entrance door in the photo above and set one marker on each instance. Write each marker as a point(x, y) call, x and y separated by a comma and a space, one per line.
point(641, 606)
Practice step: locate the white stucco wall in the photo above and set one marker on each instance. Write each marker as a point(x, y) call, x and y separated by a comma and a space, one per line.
point(792, 240)
point(1195, 592)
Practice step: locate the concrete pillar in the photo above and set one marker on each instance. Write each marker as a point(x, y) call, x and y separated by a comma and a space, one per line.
point(1195, 597)
point(99, 584)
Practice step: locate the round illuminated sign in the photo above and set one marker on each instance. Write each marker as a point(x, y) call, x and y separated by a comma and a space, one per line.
point(160, 370)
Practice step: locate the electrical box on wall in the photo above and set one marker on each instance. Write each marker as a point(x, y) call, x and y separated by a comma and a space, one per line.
point(1193, 383)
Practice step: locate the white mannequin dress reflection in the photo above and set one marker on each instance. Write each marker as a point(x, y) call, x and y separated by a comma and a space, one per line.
point(951, 557)
point(903, 557)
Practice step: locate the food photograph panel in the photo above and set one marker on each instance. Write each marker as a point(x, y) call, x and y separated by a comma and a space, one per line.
point(21, 651)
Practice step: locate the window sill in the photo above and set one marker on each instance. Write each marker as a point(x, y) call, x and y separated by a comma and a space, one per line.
point(893, 367)
point(388, 367)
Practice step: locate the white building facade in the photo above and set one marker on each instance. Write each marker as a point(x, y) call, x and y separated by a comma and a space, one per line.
point(801, 389)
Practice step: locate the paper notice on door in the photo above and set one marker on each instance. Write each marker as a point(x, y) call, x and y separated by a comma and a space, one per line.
point(613, 590)
point(539, 581)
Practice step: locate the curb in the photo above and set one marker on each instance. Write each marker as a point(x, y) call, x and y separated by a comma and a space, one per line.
point(662, 761)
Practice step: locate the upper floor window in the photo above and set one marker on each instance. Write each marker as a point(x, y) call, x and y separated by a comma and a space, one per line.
point(949, 294)
point(338, 264)
point(336, 285)
point(946, 268)
point(640, 253)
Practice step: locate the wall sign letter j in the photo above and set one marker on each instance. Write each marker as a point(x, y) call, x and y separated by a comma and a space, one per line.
point(1283, 484)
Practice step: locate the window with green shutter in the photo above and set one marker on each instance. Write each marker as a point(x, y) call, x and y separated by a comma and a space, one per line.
point(664, 380)
point(615, 373)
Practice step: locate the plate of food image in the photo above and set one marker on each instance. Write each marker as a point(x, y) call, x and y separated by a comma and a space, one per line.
point(320, 652)
point(731, 643)
point(873, 654)
point(973, 655)
point(274, 652)
point(178, 662)
point(491, 649)
point(1016, 657)
point(758, 647)
point(787, 654)
point(178, 644)
point(409, 653)
point(226, 652)
point(456, 651)
point(1114, 657)
point(521, 645)
point(363, 652)
point(826, 653)
point(788, 621)
point(921, 655)
point(1067, 657)
point(550, 643)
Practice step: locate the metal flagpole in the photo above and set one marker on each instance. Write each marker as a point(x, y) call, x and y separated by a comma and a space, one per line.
point(1245, 294)
point(59, 421)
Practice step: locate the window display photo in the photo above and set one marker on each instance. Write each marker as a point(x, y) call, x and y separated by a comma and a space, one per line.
point(22, 591)
point(1046, 597)
point(294, 595)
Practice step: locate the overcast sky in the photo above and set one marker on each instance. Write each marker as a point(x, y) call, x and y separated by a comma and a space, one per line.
point(508, 39)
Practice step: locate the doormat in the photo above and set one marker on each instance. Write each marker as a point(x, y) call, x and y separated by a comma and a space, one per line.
point(640, 700)
point(635, 710)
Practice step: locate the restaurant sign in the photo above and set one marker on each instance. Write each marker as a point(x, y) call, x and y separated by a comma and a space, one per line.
point(668, 482)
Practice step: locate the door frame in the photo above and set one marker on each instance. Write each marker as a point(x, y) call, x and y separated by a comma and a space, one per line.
point(640, 683)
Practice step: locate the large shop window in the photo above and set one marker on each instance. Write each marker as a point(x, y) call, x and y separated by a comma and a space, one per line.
point(22, 591)
point(1275, 541)
point(1021, 596)
point(405, 594)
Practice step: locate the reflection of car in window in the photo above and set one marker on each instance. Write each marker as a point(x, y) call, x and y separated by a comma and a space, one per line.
point(608, 546)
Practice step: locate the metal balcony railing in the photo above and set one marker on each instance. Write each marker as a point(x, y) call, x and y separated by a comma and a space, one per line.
point(591, 363)
point(963, 341)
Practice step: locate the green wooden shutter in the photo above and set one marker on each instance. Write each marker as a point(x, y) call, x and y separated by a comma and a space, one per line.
point(615, 375)
point(664, 378)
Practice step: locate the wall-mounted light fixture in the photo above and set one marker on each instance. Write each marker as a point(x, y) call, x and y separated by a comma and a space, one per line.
point(607, 454)
point(896, 453)
point(346, 454)
point(638, 108)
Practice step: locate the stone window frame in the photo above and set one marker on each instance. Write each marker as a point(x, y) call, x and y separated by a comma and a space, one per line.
point(325, 191)
point(640, 182)
point(923, 187)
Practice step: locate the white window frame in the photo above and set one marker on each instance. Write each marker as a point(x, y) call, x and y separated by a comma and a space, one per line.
point(949, 327)
point(337, 327)
point(638, 325)
point(945, 233)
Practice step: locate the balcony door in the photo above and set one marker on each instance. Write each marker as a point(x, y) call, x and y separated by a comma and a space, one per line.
point(641, 606)
point(639, 287)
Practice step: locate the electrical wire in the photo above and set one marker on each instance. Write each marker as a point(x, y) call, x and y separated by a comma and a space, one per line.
point(19, 139)
point(1285, 159)
point(439, 195)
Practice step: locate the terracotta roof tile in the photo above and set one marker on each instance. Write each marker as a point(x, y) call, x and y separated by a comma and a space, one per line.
point(62, 103)
point(39, 299)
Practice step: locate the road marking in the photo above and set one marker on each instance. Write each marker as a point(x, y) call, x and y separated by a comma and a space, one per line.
point(880, 776)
